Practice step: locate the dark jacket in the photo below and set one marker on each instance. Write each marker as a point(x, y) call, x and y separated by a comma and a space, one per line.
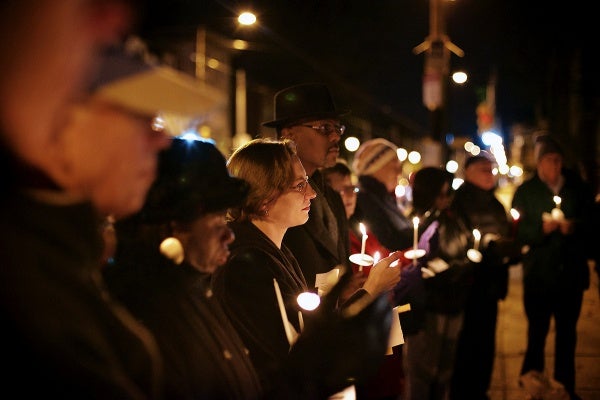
point(245, 287)
point(481, 210)
point(447, 291)
point(554, 262)
point(378, 210)
point(443, 236)
point(204, 357)
point(311, 243)
point(66, 337)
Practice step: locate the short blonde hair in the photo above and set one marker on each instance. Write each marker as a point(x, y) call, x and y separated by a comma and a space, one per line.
point(267, 165)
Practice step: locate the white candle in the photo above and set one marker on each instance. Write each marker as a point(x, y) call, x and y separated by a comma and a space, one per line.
point(284, 318)
point(363, 230)
point(415, 238)
point(477, 236)
point(416, 233)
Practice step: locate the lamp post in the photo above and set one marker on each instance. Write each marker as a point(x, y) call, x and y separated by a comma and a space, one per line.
point(214, 54)
point(437, 47)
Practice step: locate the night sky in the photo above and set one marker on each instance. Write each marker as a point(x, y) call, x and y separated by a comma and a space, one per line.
point(363, 49)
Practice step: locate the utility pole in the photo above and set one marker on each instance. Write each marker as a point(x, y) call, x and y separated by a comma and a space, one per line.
point(437, 47)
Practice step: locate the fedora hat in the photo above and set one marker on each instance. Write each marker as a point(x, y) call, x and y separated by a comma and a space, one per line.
point(302, 102)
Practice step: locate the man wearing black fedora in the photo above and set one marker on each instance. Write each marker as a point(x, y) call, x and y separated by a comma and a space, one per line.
point(306, 113)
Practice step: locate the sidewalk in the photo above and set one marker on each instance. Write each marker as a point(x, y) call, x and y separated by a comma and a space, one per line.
point(511, 343)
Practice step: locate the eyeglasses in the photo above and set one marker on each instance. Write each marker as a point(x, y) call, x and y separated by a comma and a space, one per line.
point(327, 129)
point(349, 190)
point(301, 187)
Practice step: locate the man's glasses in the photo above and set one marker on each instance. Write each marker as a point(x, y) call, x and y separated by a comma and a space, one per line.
point(301, 187)
point(327, 129)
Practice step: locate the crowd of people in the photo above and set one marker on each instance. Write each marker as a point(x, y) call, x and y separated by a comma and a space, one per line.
point(197, 294)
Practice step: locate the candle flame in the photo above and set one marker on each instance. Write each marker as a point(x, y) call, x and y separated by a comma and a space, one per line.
point(476, 234)
point(376, 257)
point(362, 228)
point(515, 214)
point(557, 200)
point(415, 221)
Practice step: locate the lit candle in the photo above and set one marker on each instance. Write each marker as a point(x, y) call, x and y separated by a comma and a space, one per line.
point(415, 239)
point(557, 213)
point(477, 236)
point(363, 230)
point(376, 257)
point(557, 201)
point(416, 233)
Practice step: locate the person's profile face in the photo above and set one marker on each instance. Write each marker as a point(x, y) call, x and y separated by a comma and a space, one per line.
point(291, 208)
point(317, 148)
point(57, 43)
point(110, 156)
point(481, 174)
point(549, 168)
point(206, 241)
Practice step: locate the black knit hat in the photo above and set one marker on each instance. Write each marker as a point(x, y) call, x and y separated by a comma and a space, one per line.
point(192, 180)
point(545, 144)
point(482, 156)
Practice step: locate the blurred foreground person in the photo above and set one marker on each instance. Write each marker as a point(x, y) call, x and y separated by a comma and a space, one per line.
point(475, 203)
point(67, 335)
point(555, 233)
point(166, 257)
point(65, 37)
point(261, 265)
point(429, 353)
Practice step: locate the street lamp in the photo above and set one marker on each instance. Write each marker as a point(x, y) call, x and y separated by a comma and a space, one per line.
point(437, 47)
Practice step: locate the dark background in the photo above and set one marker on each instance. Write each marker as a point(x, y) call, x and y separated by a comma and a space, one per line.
point(542, 54)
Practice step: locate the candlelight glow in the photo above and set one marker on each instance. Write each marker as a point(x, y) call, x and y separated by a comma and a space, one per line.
point(376, 257)
point(415, 222)
point(557, 200)
point(362, 228)
point(308, 301)
point(515, 214)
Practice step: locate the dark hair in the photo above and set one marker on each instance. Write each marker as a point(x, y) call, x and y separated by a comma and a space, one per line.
point(340, 167)
point(267, 166)
point(426, 187)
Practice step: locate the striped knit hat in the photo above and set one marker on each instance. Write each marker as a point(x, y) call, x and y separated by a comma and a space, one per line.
point(372, 155)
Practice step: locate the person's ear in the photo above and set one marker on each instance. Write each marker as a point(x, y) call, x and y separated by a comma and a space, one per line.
point(287, 133)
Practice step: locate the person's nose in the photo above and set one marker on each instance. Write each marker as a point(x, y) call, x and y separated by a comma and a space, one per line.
point(228, 236)
point(310, 192)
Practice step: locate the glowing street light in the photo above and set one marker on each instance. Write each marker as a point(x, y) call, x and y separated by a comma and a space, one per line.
point(247, 18)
